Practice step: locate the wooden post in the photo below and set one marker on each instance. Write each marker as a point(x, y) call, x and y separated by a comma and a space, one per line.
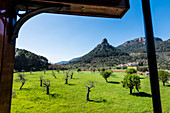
point(7, 52)
point(150, 46)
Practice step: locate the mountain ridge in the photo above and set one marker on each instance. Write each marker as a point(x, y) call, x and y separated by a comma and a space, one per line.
point(138, 45)
point(100, 55)
point(134, 50)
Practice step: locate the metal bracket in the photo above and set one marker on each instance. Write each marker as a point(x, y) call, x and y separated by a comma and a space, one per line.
point(31, 13)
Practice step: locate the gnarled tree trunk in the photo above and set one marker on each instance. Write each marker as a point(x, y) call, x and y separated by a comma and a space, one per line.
point(66, 81)
point(48, 90)
point(41, 82)
point(106, 80)
point(88, 91)
point(130, 90)
point(22, 85)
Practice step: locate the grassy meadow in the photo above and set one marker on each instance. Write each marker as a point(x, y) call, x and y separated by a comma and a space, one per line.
point(71, 98)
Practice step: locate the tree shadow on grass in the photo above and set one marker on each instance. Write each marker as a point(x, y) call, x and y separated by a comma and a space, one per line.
point(113, 75)
point(142, 94)
point(167, 85)
point(75, 78)
point(141, 78)
point(71, 84)
point(112, 82)
point(54, 95)
point(25, 89)
point(98, 101)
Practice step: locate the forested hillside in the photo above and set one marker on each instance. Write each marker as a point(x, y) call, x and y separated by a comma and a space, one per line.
point(27, 61)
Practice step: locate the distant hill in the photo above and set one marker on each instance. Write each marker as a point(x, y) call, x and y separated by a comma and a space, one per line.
point(103, 54)
point(62, 62)
point(26, 60)
point(66, 62)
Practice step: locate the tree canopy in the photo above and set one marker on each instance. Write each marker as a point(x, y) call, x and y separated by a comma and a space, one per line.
point(131, 81)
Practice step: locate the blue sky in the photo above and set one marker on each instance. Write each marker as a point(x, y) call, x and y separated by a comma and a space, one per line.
point(63, 37)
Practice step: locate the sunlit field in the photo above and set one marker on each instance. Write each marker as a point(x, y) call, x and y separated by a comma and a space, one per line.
point(71, 98)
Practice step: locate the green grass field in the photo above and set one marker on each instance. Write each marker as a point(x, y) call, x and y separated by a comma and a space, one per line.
point(104, 98)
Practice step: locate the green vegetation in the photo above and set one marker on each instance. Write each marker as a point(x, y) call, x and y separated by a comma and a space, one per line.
point(78, 70)
point(130, 81)
point(71, 98)
point(103, 69)
point(106, 74)
point(163, 76)
point(130, 71)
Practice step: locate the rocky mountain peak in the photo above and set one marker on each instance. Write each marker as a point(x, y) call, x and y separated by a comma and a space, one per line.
point(104, 41)
point(104, 44)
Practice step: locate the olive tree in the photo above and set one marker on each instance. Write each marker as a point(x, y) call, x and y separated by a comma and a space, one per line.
point(41, 81)
point(44, 71)
point(66, 77)
point(46, 83)
point(89, 85)
point(54, 74)
point(106, 74)
point(103, 69)
point(131, 81)
point(71, 76)
point(163, 76)
point(22, 80)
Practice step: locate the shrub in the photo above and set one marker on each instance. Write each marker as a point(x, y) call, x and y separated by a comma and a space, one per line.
point(103, 69)
point(78, 70)
point(106, 74)
point(130, 71)
point(118, 67)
